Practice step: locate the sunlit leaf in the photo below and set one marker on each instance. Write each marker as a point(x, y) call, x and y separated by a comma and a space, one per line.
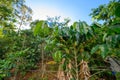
point(57, 56)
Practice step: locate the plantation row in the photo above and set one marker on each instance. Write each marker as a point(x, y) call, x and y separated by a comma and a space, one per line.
point(76, 52)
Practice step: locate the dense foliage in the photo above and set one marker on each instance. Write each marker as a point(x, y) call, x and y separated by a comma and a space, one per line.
point(81, 51)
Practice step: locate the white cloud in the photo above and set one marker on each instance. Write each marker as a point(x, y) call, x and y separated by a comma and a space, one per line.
point(42, 13)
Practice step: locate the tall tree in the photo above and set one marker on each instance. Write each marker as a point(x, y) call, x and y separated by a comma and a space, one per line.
point(109, 13)
point(12, 11)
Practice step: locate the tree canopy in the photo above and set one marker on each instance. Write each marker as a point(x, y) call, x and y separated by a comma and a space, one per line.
point(109, 13)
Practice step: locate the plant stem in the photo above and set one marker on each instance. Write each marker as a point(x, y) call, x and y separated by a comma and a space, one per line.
point(76, 65)
point(99, 72)
point(43, 67)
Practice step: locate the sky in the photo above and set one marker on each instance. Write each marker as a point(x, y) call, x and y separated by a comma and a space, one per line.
point(74, 9)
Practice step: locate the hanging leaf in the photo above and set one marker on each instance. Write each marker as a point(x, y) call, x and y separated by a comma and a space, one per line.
point(102, 48)
point(114, 29)
point(113, 40)
point(104, 37)
point(117, 9)
point(1, 32)
point(94, 49)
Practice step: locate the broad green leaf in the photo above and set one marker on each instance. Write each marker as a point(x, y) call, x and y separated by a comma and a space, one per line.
point(57, 56)
point(117, 9)
point(113, 40)
point(42, 29)
point(103, 50)
point(38, 28)
point(1, 32)
point(114, 29)
point(94, 49)
point(104, 37)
